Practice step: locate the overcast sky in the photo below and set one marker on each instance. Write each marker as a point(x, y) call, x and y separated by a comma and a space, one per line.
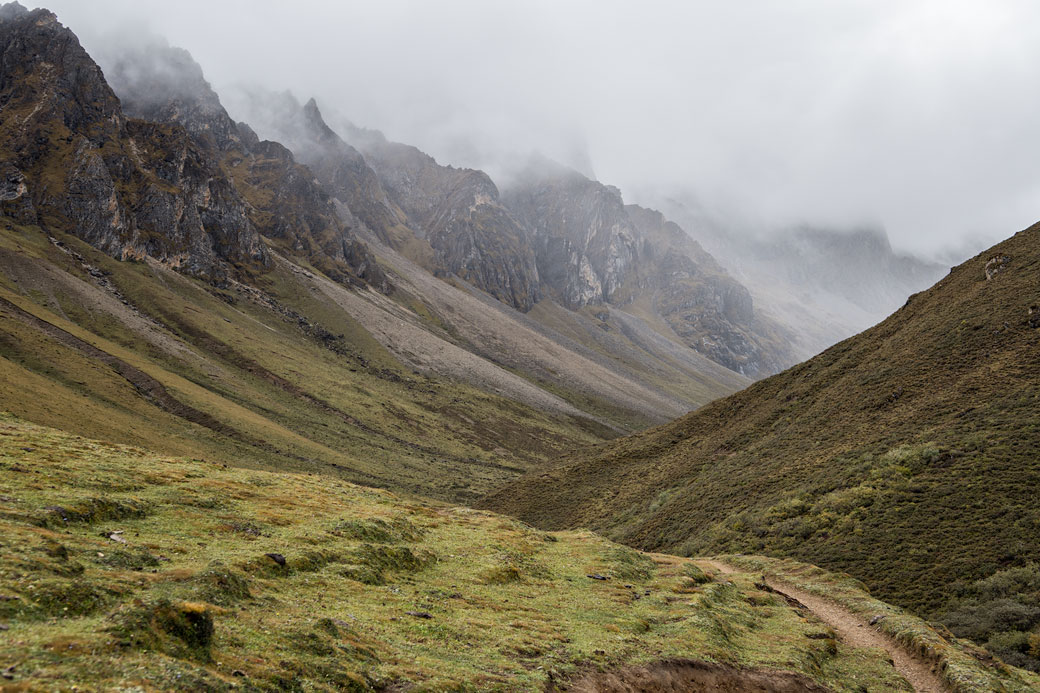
point(919, 116)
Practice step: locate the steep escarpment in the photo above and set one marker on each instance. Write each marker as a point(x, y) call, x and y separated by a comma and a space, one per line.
point(73, 160)
point(904, 456)
point(342, 169)
point(448, 220)
point(704, 305)
point(585, 243)
point(592, 249)
point(553, 235)
point(459, 213)
point(162, 85)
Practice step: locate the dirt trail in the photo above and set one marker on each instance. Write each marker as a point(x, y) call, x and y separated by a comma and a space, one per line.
point(853, 631)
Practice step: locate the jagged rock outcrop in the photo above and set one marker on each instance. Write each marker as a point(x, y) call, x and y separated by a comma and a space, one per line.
point(585, 243)
point(77, 163)
point(341, 168)
point(592, 248)
point(403, 195)
point(449, 219)
point(285, 201)
point(707, 308)
point(459, 213)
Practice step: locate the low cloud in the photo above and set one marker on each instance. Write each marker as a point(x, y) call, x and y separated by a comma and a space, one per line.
point(914, 116)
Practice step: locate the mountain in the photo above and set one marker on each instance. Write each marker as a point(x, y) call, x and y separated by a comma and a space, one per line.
point(828, 283)
point(189, 286)
point(904, 456)
point(554, 236)
point(592, 249)
point(448, 220)
point(73, 160)
point(161, 84)
point(232, 332)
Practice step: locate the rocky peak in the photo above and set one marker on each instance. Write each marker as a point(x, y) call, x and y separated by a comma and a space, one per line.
point(82, 167)
point(37, 52)
point(584, 241)
point(285, 199)
point(163, 83)
point(592, 248)
point(341, 168)
point(402, 194)
point(12, 10)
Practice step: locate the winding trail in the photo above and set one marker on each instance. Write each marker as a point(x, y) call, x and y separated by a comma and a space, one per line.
point(854, 632)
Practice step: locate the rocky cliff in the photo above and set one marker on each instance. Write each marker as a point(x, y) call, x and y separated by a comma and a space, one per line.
point(449, 220)
point(284, 200)
point(704, 305)
point(75, 161)
point(593, 249)
point(459, 213)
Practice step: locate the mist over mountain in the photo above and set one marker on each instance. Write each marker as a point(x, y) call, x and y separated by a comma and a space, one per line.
point(818, 114)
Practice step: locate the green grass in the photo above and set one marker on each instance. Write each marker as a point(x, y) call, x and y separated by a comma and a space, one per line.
point(375, 589)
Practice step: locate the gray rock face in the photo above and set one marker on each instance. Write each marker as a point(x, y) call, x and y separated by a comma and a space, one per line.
point(128, 191)
point(585, 243)
point(458, 211)
point(591, 248)
point(164, 84)
point(284, 200)
point(708, 309)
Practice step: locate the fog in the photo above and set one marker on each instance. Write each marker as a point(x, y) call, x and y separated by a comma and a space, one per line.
point(915, 116)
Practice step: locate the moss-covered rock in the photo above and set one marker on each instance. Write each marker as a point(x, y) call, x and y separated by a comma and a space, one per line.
point(179, 629)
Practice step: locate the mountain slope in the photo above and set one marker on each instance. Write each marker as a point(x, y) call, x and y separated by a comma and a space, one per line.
point(627, 379)
point(553, 235)
point(73, 160)
point(448, 220)
point(165, 86)
point(197, 289)
point(904, 456)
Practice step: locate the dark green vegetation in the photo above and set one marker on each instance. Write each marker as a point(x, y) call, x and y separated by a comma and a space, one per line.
point(1002, 611)
point(124, 568)
point(906, 456)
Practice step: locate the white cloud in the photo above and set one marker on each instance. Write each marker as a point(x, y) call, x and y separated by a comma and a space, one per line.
point(915, 114)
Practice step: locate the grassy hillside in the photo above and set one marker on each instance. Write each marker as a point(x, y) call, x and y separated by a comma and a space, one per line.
point(126, 568)
point(905, 456)
point(267, 379)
